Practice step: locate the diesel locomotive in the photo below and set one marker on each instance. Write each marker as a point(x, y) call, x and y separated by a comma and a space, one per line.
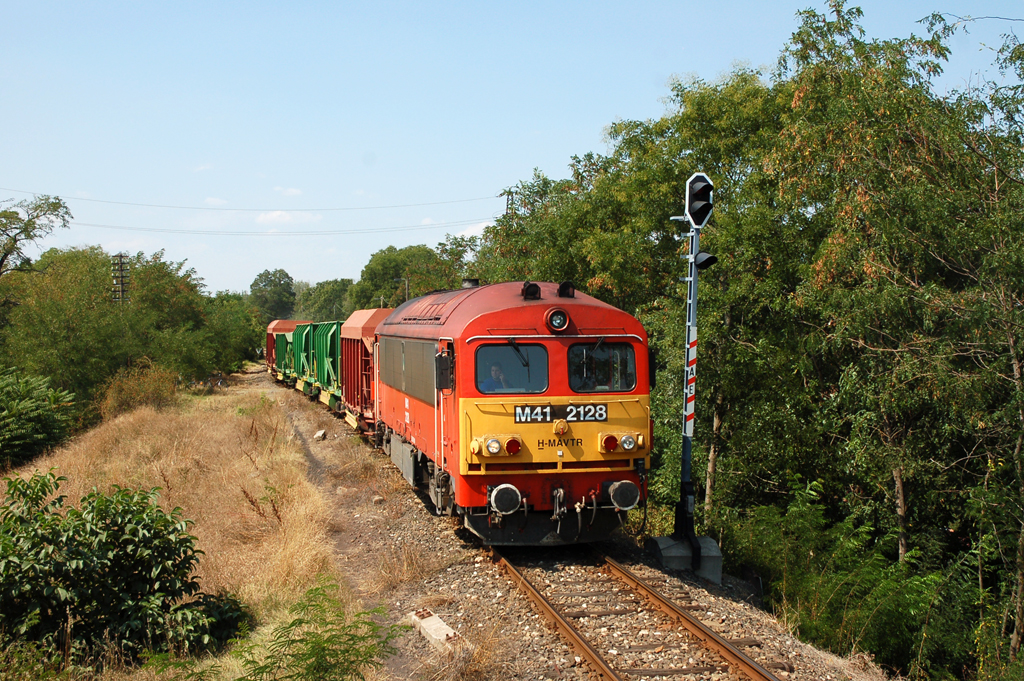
point(522, 407)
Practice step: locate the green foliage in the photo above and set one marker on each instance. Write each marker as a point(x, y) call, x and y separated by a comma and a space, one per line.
point(27, 221)
point(272, 293)
point(116, 572)
point(377, 281)
point(324, 301)
point(835, 583)
point(66, 327)
point(26, 661)
point(320, 642)
point(233, 329)
point(33, 416)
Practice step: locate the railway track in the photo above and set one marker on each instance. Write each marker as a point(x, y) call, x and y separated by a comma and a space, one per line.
point(627, 628)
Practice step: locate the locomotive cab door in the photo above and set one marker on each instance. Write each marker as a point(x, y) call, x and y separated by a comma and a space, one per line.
point(444, 383)
point(440, 483)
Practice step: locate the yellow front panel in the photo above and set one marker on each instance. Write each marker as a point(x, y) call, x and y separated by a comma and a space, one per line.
point(544, 450)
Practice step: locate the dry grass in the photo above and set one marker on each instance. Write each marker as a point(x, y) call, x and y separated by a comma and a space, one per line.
point(144, 384)
point(399, 565)
point(484, 658)
point(231, 464)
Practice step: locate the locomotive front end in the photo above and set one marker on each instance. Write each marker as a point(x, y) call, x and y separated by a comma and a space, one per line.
point(555, 432)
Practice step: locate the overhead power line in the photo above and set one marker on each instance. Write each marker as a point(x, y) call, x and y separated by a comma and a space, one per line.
point(325, 232)
point(259, 210)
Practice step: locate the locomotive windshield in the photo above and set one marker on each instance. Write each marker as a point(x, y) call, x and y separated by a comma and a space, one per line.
point(602, 367)
point(512, 368)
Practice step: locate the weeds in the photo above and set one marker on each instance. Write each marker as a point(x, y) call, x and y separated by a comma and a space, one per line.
point(270, 498)
point(400, 565)
point(479, 660)
point(145, 384)
point(319, 642)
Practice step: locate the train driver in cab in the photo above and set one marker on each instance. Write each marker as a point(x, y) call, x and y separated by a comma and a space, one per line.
point(496, 381)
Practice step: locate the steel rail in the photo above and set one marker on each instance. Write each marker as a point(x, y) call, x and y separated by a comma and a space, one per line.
point(702, 633)
point(586, 651)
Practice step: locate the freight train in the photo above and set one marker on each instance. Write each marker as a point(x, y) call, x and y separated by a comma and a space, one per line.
point(522, 407)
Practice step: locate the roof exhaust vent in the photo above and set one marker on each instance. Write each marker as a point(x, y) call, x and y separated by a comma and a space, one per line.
point(470, 283)
point(531, 291)
point(567, 289)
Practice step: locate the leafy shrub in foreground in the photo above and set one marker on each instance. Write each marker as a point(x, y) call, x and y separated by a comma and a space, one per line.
point(321, 642)
point(837, 587)
point(117, 572)
point(33, 416)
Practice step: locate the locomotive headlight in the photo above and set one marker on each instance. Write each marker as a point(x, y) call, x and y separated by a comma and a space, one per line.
point(493, 446)
point(610, 442)
point(513, 445)
point(628, 442)
point(558, 320)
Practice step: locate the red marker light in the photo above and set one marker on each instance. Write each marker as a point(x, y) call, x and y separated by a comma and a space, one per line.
point(610, 442)
point(513, 445)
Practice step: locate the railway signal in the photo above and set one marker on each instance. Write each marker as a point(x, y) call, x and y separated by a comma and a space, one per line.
point(699, 205)
point(699, 199)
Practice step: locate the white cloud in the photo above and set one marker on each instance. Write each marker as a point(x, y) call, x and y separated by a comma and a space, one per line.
point(199, 169)
point(287, 191)
point(283, 217)
point(427, 221)
point(475, 230)
point(212, 201)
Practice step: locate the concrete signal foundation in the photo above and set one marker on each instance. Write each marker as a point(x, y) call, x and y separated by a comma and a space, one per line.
point(676, 554)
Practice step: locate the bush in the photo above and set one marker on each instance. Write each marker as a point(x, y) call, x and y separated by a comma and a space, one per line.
point(116, 573)
point(321, 642)
point(33, 416)
point(835, 585)
point(144, 384)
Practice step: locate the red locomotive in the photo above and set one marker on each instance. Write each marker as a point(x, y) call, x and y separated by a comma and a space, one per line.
point(522, 407)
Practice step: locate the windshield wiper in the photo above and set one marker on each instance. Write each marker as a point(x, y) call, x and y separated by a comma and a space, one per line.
point(594, 349)
point(522, 358)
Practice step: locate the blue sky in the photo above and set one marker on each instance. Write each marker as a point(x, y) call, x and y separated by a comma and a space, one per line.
point(272, 113)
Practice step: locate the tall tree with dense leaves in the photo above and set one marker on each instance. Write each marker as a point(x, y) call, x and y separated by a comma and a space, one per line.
point(382, 283)
point(324, 301)
point(272, 294)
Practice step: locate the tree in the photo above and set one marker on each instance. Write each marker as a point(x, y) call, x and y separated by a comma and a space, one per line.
point(861, 332)
point(385, 274)
point(323, 302)
point(66, 327)
point(27, 221)
point(235, 329)
point(272, 294)
point(456, 260)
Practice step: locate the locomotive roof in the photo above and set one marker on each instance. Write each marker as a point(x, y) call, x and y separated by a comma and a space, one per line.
point(455, 310)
